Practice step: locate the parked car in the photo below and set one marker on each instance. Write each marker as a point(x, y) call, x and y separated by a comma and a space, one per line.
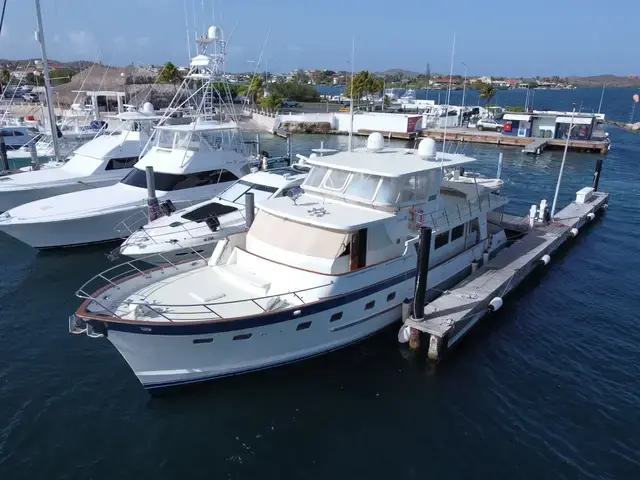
point(489, 124)
point(31, 97)
point(287, 103)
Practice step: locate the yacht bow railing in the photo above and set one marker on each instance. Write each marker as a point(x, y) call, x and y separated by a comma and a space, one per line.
point(114, 277)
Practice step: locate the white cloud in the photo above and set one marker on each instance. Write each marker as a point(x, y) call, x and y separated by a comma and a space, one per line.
point(119, 41)
point(82, 42)
point(143, 41)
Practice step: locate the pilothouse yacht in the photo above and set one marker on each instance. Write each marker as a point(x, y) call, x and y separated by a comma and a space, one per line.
point(313, 273)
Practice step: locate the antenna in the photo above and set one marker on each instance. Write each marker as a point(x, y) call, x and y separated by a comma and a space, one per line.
point(186, 23)
point(446, 112)
point(353, 61)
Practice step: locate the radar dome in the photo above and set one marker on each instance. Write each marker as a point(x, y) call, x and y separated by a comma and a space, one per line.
point(147, 107)
point(375, 142)
point(427, 149)
point(313, 155)
point(212, 33)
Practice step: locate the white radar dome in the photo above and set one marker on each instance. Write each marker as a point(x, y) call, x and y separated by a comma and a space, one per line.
point(147, 107)
point(313, 155)
point(427, 149)
point(212, 33)
point(375, 142)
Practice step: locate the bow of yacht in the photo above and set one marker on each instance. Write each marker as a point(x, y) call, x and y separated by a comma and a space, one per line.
point(312, 273)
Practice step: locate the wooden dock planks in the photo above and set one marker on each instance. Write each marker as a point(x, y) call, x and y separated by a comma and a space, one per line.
point(453, 313)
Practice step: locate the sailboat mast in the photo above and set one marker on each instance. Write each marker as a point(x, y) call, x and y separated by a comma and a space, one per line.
point(47, 83)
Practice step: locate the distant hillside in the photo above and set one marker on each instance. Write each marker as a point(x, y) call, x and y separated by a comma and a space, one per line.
point(610, 80)
point(396, 71)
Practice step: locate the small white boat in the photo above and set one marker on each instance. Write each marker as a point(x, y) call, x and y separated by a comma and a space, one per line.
point(103, 161)
point(312, 274)
point(194, 231)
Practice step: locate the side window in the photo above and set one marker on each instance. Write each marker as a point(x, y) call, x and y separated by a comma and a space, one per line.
point(197, 180)
point(441, 240)
point(120, 163)
point(6, 133)
point(18, 133)
point(227, 176)
point(457, 232)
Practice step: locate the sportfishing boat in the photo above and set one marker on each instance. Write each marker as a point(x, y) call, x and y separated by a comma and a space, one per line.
point(188, 163)
point(103, 161)
point(194, 231)
point(313, 273)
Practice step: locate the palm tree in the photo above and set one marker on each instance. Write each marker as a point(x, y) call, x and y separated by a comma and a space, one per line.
point(271, 102)
point(253, 90)
point(171, 74)
point(488, 92)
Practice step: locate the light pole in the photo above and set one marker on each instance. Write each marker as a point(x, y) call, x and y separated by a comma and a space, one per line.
point(464, 88)
point(602, 96)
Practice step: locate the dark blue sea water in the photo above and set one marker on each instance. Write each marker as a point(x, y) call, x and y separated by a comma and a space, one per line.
point(545, 389)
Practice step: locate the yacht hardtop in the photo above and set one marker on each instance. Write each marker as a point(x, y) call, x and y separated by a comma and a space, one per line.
point(97, 163)
point(194, 231)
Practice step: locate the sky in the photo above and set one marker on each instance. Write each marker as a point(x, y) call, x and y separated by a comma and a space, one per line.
point(499, 38)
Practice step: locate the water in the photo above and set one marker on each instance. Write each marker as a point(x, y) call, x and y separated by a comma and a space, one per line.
point(546, 388)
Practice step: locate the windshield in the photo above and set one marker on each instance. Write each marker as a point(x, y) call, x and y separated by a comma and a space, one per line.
point(236, 192)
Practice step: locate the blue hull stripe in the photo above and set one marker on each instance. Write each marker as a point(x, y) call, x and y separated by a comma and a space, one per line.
point(176, 328)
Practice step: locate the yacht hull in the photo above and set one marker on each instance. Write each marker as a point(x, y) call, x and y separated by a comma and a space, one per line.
point(12, 198)
point(173, 256)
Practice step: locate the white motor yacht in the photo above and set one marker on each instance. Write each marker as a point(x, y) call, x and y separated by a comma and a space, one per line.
point(191, 162)
point(194, 231)
point(103, 161)
point(312, 274)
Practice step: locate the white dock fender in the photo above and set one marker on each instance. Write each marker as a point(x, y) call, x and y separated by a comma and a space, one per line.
point(495, 304)
point(545, 259)
point(574, 232)
point(404, 334)
point(605, 206)
point(591, 216)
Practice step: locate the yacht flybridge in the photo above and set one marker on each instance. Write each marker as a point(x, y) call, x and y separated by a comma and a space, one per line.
point(313, 273)
point(190, 163)
point(193, 232)
point(100, 162)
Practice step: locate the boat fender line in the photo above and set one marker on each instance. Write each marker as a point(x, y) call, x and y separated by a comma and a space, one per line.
point(495, 304)
point(591, 216)
point(574, 232)
point(404, 334)
point(545, 259)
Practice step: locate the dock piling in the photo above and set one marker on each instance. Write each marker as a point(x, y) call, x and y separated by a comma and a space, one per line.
point(153, 209)
point(3, 155)
point(500, 160)
point(249, 204)
point(596, 174)
point(258, 149)
point(35, 165)
point(289, 148)
point(420, 292)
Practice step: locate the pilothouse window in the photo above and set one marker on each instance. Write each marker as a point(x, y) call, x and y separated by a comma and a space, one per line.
point(315, 176)
point(336, 180)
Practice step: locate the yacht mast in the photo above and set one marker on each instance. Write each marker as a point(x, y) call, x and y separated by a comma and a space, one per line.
point(47, 83)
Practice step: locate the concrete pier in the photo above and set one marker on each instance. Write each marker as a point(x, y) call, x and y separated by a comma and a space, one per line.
point(450, 316)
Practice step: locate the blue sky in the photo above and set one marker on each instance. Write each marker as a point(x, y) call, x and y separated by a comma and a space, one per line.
point(493, 37)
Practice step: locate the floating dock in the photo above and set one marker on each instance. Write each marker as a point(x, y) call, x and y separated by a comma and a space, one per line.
point(450, 316)
point(467, 135)
point(537, 146)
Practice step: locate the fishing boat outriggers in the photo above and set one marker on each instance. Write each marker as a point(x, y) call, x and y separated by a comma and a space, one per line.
point(316, 270)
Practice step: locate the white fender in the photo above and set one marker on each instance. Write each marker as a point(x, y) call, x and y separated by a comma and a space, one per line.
point(591, 216)
point(495, 304)
point(545, 259)
point(404, 334)
point(574, 232)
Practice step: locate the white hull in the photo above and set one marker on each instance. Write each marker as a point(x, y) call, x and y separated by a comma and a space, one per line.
point(203, 250)
point(185, 354)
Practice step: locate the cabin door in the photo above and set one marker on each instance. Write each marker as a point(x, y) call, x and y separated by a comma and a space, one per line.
point(358, 250)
